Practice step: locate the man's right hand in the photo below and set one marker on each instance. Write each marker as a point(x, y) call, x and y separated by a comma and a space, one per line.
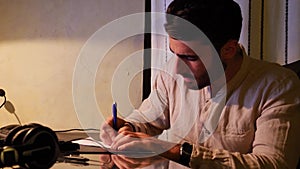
point(107, 133)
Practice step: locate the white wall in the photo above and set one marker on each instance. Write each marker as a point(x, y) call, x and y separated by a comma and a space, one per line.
point(40, 41)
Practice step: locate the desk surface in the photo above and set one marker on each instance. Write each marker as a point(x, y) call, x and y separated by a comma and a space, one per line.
point(103, 161)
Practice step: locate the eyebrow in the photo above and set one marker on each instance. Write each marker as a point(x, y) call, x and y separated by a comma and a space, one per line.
point(182, 55)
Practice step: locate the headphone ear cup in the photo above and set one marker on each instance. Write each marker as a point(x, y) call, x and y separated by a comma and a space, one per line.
point(41, 137)
point(40, 145)
point(4, 131)
point(10, 136)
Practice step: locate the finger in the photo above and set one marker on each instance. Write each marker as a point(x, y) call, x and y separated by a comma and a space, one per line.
point(119, 162)
point(106, 138)
point(122, 139)
point(128, 145)
point(107, 134)
point(105, 158)
point(107, 124)
point(109, 121)
point(105, 161)
point(124, 128)
point(126, 137)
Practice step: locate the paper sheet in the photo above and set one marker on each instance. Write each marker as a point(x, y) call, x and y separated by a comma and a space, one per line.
point(89, 141)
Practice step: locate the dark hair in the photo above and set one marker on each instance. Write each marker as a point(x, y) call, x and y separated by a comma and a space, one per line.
point(219, 20)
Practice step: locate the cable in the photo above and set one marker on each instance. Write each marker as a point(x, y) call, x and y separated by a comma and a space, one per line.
point(76, 129)
point(3, 102)
point(2, 94)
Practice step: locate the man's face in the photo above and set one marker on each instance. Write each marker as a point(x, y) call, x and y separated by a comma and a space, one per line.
point(189, 65)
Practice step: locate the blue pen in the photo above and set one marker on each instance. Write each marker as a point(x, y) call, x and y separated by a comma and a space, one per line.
point(115, 116)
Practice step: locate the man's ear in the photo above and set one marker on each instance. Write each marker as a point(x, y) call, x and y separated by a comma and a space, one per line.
point(229, 49)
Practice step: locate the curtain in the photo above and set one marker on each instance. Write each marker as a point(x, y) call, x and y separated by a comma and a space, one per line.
point(270, 30)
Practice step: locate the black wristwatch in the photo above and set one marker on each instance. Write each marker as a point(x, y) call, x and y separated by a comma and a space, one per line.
point(185, 153)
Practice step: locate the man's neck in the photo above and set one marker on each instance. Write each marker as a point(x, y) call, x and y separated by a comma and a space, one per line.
point(233, 65)
point(232, 68)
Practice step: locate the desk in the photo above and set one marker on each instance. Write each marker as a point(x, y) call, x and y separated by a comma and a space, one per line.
point(111, 161)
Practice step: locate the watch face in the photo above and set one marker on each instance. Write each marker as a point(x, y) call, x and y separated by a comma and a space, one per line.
point(185, 153)
point(187, 148)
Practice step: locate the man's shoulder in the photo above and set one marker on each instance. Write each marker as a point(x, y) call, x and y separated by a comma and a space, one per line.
point(270, 71)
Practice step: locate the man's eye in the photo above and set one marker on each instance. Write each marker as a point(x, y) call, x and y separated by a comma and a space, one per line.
point(189, 57)
point(192, 58)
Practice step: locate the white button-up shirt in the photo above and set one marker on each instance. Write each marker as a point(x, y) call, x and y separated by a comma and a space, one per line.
point(254, 123)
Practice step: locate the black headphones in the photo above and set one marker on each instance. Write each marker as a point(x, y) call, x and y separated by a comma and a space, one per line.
point(29, 146)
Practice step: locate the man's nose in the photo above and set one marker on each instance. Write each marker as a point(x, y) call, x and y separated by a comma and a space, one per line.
point(180, 66)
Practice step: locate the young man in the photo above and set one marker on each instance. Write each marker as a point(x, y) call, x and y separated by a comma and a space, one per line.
point(249, 120)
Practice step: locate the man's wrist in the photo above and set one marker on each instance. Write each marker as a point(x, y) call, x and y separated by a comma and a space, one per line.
point(173, 153)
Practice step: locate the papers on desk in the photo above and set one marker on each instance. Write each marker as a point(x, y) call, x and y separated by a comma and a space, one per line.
point(89, 141)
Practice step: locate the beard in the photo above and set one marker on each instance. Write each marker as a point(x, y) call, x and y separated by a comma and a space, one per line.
point(196, 83)
point(203, 80)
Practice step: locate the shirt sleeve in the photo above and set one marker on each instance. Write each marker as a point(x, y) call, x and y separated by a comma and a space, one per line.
point(205, 158)
point(152, 117)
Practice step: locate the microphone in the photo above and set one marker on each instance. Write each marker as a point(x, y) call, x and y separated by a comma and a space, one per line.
point(2, 94)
